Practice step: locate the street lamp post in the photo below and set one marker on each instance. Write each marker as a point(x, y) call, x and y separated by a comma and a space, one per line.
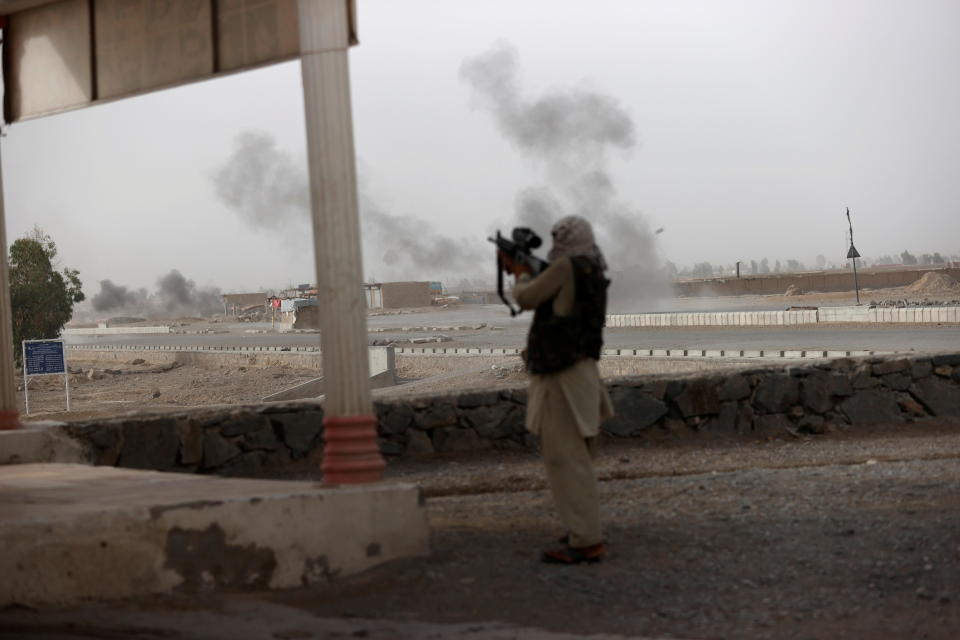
point(853, 254)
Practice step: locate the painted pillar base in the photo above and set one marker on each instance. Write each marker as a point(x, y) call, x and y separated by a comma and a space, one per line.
point(10, 420)
point(351, 454)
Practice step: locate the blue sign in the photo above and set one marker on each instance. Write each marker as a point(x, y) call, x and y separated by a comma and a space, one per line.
point(43, 356)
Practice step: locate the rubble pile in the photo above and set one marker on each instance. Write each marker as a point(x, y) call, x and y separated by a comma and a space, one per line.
point(902, 304)
point(255, 313)
point(934, 284)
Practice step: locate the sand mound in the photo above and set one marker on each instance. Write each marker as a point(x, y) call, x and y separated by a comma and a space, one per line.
point(793, 290)
point(933, 283)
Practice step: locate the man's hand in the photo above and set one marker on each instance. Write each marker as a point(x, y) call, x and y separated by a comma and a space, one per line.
point(510, 266)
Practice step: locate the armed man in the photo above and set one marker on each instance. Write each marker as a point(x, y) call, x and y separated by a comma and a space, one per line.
point(567, 401)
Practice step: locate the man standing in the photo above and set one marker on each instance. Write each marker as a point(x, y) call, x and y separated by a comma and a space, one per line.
point(567, 401)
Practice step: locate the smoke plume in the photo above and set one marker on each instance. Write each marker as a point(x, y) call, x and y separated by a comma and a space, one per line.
point(262, 184)
point(175, 296)
point(269, 190)
point(570, 134)
point(112, 296)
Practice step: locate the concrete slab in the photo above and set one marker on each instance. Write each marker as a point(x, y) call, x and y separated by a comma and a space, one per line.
point(383, 367)
point(71, 532)
point(42, 441)
point(316, 388)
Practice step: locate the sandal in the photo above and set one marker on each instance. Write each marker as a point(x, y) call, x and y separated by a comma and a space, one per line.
point(575, 555)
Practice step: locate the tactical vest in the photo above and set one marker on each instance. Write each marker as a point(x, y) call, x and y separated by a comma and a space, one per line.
point(557, 342)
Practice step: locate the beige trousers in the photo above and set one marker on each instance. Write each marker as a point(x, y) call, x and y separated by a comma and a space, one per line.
point(568, 457)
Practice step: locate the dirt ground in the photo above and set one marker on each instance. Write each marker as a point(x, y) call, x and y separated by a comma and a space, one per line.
point(98, 390)
point(850, 535)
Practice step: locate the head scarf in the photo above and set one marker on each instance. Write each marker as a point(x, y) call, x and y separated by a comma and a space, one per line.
point(573, 236)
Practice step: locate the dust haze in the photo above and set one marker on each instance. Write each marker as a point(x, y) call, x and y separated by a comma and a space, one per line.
point(268, 189)
point(570, 133)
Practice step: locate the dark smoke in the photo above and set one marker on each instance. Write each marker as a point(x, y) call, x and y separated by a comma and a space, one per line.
point(112, 297)
point(571, 125)
point(269, 190)
point(265, 186)
point(413, 248)
point(571, 133)
point(175, 296)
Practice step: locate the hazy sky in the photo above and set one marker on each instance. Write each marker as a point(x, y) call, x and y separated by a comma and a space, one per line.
point(755, 124)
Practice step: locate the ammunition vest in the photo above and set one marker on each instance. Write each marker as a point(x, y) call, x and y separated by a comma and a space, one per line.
point(557, 342)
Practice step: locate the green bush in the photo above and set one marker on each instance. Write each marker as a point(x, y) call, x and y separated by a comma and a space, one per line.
point(41, 298)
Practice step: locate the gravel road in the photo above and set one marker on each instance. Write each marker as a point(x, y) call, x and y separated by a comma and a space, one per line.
point(848, 535)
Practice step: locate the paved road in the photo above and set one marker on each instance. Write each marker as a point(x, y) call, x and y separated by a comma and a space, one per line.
point(513, 331)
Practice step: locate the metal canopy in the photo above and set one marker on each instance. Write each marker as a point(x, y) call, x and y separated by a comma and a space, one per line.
point(13, 6)
point(68, 54)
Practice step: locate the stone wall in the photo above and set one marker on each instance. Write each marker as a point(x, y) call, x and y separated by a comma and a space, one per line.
point(814, 398)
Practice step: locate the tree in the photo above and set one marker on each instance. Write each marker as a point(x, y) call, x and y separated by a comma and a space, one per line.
point(41, 298)
point(702, 270)
point(907, 258)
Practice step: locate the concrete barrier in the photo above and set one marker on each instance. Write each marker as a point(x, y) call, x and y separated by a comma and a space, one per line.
point(117, 533)
point(788, 318)
point(381, 358)
point(113, 331)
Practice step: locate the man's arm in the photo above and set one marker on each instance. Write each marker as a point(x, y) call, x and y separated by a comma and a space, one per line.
point(530, 293)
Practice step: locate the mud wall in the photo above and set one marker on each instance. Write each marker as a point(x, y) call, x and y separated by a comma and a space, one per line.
point(818, 281)
point(397, 295)
point(816, 398)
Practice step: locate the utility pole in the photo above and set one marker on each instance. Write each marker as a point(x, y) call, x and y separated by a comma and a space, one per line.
point(351, 454)
point(853, 254)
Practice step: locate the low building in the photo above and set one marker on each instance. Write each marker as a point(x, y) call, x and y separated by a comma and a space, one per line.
point(399, 295)
point(235, 303)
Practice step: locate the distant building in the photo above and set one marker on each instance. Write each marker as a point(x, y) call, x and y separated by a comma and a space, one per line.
point(478, 296)
point(295, 304)
point(399, 295)
point(235, 303)
point(300, 291)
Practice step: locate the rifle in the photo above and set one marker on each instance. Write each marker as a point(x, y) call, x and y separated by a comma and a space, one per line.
point(519, 250)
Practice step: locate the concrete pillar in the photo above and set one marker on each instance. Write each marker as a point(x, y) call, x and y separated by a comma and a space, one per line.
point(9, 416)
point(351, 454)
